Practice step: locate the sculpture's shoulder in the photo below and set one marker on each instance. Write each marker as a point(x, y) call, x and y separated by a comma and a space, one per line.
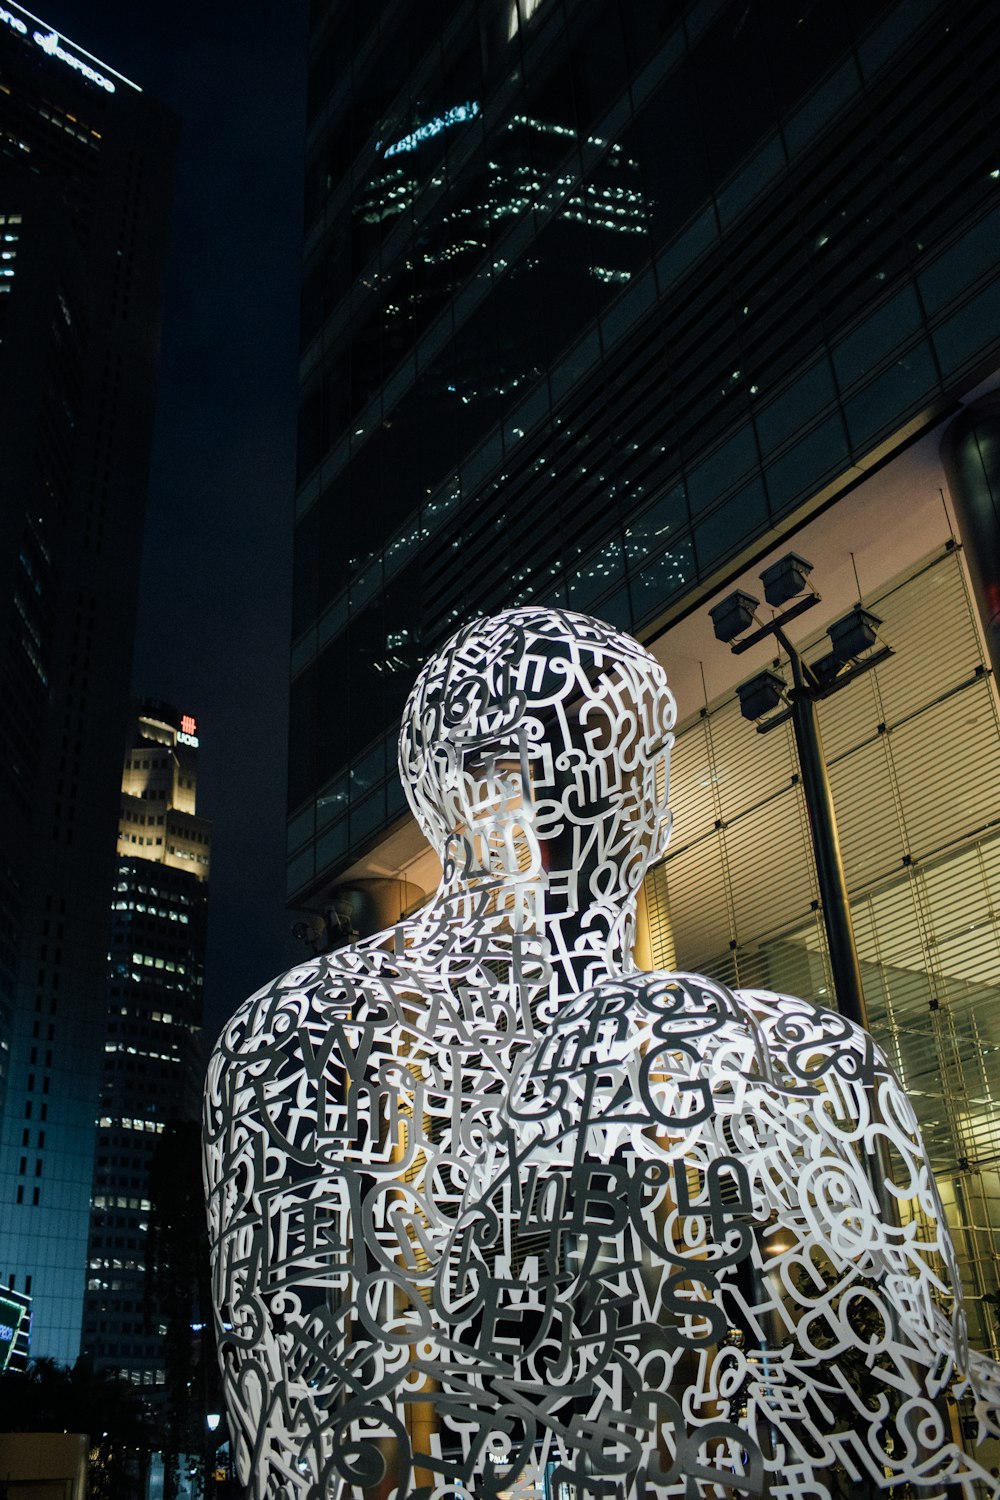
point(365, 984)
point(630, 1029)
point(661, 1001)
point(682, 1005)
point(317, 1029)
point(810, 1041)
point(675, 1001)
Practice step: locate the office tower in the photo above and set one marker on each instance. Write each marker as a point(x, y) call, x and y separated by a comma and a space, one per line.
point(573, 274)
point(85, 166)
point(608, 306)
point(152, 1055)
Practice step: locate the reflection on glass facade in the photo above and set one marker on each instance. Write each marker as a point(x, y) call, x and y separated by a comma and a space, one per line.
point(597, 298)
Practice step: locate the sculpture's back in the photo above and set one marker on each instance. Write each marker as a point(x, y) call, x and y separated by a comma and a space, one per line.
point(710, 1216)
point(485, 1201)
point(332, 1133)
point(348, 1101)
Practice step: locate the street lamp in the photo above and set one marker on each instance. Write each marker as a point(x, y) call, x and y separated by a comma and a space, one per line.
point(854, 649)
point(210, 1488)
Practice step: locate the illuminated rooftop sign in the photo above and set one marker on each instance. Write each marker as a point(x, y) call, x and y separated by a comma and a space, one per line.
point(457, 115)
point(188, 732)
point(54, 44)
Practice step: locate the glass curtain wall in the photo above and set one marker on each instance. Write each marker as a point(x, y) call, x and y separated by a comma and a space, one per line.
point(913, 751)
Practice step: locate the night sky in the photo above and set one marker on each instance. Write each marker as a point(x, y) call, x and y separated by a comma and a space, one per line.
point(215, 594)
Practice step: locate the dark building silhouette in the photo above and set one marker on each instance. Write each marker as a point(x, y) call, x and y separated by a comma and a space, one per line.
point(85, 180)
point(597, 298)
point(606, 305)
point(152, 1066)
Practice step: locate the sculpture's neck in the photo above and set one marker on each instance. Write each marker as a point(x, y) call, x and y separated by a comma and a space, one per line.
point(581, 942)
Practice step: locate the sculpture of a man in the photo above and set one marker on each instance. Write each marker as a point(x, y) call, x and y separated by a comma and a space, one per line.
point(491, 1210)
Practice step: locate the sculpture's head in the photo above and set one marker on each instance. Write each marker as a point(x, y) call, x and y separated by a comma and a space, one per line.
point(538, 741)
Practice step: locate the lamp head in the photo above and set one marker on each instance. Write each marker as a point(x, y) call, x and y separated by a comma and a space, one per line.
point(733, 615)
point(855, 634)
point(761, 694)
point(785, 579)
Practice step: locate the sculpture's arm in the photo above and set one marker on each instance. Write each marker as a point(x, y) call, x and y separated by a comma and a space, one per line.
point(862, 1129)
point(339, 1108)
point(281, 1221)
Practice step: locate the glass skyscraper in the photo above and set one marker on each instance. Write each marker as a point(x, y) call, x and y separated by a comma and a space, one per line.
point(596, 297)
point(86, 162)
point(605, 305)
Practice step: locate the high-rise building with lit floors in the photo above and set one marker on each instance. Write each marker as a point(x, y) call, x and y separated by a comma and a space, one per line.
point(86, 161)
point(607, 305)
point(152, 1055)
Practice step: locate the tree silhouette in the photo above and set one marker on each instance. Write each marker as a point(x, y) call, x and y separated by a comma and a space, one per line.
point(48, 1397)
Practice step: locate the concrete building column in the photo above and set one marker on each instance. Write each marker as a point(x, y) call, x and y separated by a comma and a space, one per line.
point(970, 453)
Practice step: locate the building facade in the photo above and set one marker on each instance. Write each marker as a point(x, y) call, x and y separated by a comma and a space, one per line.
point(152, 1063)
point(85, 179)
point(606, 306)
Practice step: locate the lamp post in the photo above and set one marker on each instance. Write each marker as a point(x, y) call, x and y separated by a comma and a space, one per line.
point(854, 651)
point(212, 1421)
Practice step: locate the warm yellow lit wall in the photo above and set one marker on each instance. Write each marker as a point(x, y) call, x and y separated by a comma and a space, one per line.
point(913, 754)
point(654, 940)
point(44, 1465)
point(187, 845)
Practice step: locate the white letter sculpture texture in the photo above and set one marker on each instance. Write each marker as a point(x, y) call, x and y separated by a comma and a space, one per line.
point(493, 1211)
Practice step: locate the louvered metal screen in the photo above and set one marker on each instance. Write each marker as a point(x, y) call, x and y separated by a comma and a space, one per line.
point(914, 759)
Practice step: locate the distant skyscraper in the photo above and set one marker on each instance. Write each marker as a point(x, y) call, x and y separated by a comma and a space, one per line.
point(152, 1055)
point(86, 162)
point(604, 305)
